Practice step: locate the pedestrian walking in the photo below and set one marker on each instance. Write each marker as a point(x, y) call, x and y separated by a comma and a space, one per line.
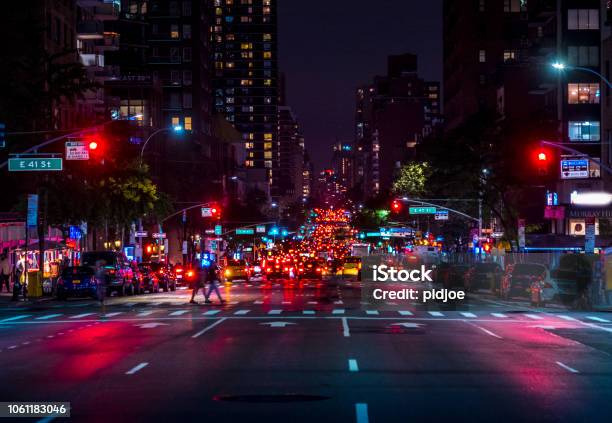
point(198, 282)
point(100, 274)
point(19, 279)
point(213, 281)
point(5, 272)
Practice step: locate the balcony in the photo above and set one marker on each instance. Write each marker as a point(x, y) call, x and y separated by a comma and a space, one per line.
point(92, 60)
point(90, 30)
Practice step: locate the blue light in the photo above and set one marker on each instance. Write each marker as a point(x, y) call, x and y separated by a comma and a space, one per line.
point(178, 128)
point(273, 231)
point(285, 232)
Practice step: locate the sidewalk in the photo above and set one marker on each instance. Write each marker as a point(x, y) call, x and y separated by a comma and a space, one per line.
point(5, 299)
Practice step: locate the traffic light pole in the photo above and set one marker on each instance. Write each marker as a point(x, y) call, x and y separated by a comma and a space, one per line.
point(578, 153)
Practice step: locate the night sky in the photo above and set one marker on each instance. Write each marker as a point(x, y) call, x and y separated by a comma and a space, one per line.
point(328, 48)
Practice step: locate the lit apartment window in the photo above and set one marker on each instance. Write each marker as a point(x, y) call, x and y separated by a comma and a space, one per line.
point(583, 93)
point(188, 126)
point(583, 55)
point(246, 82)
point(174, 31)
point(229, 65)
point(218, 11)
point(250, 163)
point(267, 55)
point(246, 19)
point(230, 37)
point(249, 145)
point(482, 56)
point(246, 46)
point(267, 37)
point(267, 82)
point(267, 2)
point(266, 10)
point(251, 155)
point(580, 19)
point(229, 100)
point(509, 55)
point(481, 5)
point(251, 136)
point(268, 137)
point(268, 164)
point(176, 121)
point(267, 146)
point(267, 155)
point(583, 131)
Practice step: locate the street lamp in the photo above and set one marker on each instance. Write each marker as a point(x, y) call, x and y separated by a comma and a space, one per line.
point(176, 128)
point(560, 66)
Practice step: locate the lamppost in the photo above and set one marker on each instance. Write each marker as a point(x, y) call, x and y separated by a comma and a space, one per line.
point(562, 66)
point(177, 128)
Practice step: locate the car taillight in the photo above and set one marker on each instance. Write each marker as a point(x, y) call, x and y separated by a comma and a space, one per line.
point(246, 269)
point(189, 274)
point(286, 269)
point(268, 270)
point(318, 269)
point(179, 270)
point(359, 266)
point(111, 271)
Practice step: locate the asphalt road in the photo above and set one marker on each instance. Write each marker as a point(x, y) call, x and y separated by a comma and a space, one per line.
point(307, 352)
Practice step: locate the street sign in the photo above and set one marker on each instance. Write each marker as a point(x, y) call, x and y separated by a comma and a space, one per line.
point(74, 232)
point(77, 150)
point(422, 210)
point(218, 230)
point(260, 229)
point(35, 164)
point(207, 212)
point(441, 215)
point(141, 234)
point(2, 135)
point(574, 168)
point(589, 235)
point(32, 217)
point(159, 235)
point(245, 231)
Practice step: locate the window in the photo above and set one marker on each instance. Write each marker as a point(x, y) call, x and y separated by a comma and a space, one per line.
point(514, 6)
point(482, 56)
point(583, 55)
point(510, 55)
point(268, 137)
point(583, 93)
point(268, 164)
point(267, 155)
point(176, 121)
point(583, 131)
point(249, 145)
point(186, 77)
point(187, 103)
point(267, 82)
point(581, 19)
point(229, 100)
point(267, 37)
point(267, 55)
point(186, 8)
point(249, 163)
point(187, 54)
point(174, 32)
point(481, 5)
point(267, 146)
point(187, 32)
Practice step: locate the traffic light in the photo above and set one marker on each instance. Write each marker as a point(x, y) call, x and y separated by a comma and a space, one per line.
point(396, 206)
point(215, 212)
point(541, 160)
point(95, 145)
point(542, 156)
point(486, 248)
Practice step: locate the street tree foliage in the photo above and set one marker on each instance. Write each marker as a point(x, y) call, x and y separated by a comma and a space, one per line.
point(412, 179)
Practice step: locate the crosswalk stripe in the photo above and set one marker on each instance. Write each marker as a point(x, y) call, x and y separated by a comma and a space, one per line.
point(145, 313)
point(312, 302)
point(338, 311)
point(286, 302)
point(48, 316)
point(533, 316)
point(372, 312)
point(112, 314)
point(241, 312)
point(275, 312)
point(80, 316)
point(211, 312)
point(179, 312)
point(405, 313)
point(436, 314)
point(10, 319)
point(597, 319)
point(467, 314)
point(338, 302)
point(567, 318)
point(500, 315)
point(258, 302)
point(308, 312)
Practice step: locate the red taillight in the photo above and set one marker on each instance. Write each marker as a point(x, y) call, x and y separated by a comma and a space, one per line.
point(161, 272)
point(189, 274)
point(246, 269)
point(286, 269)
point(111, 271)
point(179, 270)
point(318, 269)
point(268, 270)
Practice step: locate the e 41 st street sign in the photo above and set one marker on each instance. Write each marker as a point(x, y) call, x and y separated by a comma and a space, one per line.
point(35, 164)
point(422, 210)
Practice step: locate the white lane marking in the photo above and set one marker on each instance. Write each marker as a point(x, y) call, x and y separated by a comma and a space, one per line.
point(211, 312)
point(136, 368)
point(275, 311)
point(145, 313)
point(488, 332)
point(241, 312)
point(597, 319)
point(345, 328)
point(10, 319)
point(338, 302)
point(533, 316)
point(338, 311)
point(372, 312)
point(258, 302)
point(312, 302)
point(436, 314)
point(391, 303)
point(209, 327)
point(179, 312)
point(500, 315)
point(308, 312)
point(405, 313)
point(79, 316)
point(12, 347)
point(561, 316)
point(566, 367)
point(112, 314)
point(467, 314)
point(361, 411)
point(353, 366)
point(48, 316)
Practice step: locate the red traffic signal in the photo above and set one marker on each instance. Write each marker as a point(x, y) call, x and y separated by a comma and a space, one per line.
point(542, 156)
point(93, 145)
point(396, 206)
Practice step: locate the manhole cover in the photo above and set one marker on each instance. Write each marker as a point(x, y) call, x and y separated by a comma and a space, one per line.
point(271, 398)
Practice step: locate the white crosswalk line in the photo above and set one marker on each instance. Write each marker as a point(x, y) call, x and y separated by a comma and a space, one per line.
point(571, 319)
point(308, 312)
point(500, 315)
point(80, 316)
point(404, 313)
point(533, 316)
point(241, 312)
point(48, 316)
point(179, 312)
point(338, 302)
point(258, 302)
point(467, 314)
point(597, 319)
point(312, 302)
point(211, 312)
point(117, 313)
point(372, 312)
point(338, 311)
point(10, 319)
point(145, 313)
point(275, 311)
point(286, 302)
point(436, 314)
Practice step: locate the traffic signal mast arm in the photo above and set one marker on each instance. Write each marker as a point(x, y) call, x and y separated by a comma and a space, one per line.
point(578, 153)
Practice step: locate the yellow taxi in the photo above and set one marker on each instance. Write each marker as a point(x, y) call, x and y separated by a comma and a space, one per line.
point(352, 267)
point(236, 270)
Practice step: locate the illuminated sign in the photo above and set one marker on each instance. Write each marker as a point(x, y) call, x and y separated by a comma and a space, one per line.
point(574, 168)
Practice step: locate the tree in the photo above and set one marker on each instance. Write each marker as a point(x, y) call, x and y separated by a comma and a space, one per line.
point(411, 180)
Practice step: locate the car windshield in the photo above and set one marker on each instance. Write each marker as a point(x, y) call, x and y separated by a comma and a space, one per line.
point(528, 269)
point(78, 270)
point(90, 258)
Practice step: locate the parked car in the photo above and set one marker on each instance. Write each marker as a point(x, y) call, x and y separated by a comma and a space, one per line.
point(523, 279)
point(119, 276)
point(150, 279)
point(77, 281)
point(138, 279)
point(483, 276)
point(164, 275)
point(236, 270)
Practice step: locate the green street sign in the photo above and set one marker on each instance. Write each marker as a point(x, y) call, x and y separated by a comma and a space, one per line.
point(218, 230)
point(422, 210)
point(35, 164)
point(245, 231)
